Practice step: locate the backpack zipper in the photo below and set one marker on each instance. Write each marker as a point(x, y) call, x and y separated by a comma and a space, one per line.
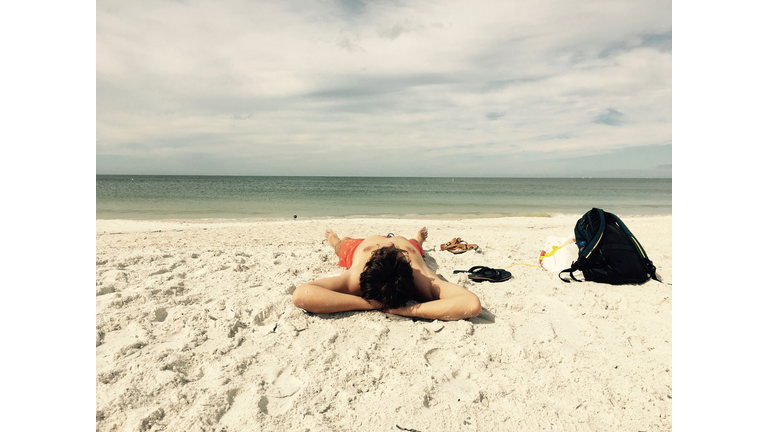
point(638, 246)
point(593, 248)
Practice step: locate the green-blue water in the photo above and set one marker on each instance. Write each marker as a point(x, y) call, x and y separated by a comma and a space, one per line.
point(225, 197)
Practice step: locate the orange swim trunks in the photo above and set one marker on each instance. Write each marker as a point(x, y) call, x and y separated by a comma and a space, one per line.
point(349, 246)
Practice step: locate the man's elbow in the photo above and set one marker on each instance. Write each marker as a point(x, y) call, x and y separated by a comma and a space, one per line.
point(299, 297)
point(471, 307)
point(474, 307)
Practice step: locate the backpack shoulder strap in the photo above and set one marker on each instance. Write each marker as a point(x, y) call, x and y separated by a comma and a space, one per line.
point(587, 252)
point(570, 271)
point(583, 230)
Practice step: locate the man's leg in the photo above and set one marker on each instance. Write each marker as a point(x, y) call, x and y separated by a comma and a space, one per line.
point(421, 236)
point(333, 240)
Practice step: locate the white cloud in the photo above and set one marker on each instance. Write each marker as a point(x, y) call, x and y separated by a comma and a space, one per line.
point(306, 84)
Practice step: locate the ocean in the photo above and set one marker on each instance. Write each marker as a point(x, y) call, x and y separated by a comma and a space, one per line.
point(275, 198)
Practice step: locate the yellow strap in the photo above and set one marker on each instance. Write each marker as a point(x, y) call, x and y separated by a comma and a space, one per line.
point(532, 265)
point(554, 249)
point(541, 257)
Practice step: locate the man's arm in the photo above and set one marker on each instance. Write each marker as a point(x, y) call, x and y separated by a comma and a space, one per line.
point(329, 295)
point(448, 301)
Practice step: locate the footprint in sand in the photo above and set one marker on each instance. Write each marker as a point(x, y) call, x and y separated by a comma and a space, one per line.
point(443, 360)
point(281, 392)
point(160, 314)
point(284, 385)
point(453, 384)
point(108, 289)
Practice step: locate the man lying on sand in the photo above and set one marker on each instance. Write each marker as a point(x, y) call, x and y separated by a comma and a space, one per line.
point(384, 273)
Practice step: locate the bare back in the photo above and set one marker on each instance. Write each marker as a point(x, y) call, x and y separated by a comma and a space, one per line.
point(422, 275)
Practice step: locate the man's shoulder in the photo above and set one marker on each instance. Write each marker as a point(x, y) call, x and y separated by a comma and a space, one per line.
point(352, 279)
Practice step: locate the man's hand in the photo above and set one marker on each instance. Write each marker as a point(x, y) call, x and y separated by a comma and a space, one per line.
point(402, 311)
point(461, 306)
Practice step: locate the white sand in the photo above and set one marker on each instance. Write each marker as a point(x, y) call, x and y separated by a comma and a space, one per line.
point(195, 330)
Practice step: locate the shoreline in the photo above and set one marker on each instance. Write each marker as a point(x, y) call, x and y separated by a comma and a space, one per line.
point(333, 219)
point(195, 328)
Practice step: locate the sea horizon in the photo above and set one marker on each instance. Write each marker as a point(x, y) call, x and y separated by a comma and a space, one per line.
point(234, 197)
point(374, 176)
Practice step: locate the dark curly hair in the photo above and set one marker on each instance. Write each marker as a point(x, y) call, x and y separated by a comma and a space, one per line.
point(388, 278)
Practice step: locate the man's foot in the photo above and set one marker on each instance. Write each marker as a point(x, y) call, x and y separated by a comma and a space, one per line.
point(421, 235)
point(332, 239)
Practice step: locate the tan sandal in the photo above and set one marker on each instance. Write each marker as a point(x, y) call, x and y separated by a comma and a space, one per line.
point(461, 247)
point(450, 244)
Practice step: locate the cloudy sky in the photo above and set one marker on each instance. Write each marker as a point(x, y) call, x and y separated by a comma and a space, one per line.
point(384, 88)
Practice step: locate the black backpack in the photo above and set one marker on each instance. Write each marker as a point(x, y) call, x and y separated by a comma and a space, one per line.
point(608, 252)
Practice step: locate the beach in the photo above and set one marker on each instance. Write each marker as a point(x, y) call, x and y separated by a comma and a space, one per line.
point(196, 330)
